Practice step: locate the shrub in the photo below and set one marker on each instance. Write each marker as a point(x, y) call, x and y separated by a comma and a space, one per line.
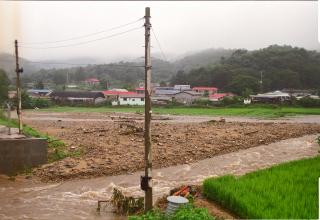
point(309, 102)
point(231, 100)
point(40, 103)
point(185, 212)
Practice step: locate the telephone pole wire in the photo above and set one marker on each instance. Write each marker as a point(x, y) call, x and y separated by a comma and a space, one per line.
point(146, 181)
point(18, 85)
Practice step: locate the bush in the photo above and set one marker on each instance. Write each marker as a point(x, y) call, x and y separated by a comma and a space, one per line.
point(40, 103)
point(309, 102)
point(185, 212)
point(232, 100)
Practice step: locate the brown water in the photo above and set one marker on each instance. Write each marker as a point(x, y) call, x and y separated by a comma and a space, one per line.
point(25, 199)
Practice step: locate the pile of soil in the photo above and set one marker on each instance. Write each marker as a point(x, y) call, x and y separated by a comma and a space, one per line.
point(117, 147)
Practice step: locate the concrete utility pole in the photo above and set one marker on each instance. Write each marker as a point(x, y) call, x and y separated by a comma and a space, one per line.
point(146, 181)
point(18, 71)
point(261, 82)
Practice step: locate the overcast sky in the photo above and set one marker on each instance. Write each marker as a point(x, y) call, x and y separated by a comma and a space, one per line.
point(180, 26)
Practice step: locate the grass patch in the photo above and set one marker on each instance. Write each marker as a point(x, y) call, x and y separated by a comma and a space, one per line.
point(57, 149)
point(286, 191)
point(252, 111)
point(185, 212)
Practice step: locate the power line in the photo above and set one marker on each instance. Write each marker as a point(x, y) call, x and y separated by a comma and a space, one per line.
point(74, 64)
point(84, 42)
point(84, 36)
point(155, 36)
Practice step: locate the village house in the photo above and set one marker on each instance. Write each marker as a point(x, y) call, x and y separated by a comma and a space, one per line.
point(186, 97)
point(39, 93)
point(77, 97)
point(112, 95)
point(140, 90)
point(182, 87)
point(161, 100)
point(216, 97)
point(12, 94)
point(165, 91)
point(205, 90)
point(271, 97)
point(129, 99)
point(92, 81)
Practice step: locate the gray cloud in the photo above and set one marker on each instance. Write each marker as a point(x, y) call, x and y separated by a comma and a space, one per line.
point(180, 26)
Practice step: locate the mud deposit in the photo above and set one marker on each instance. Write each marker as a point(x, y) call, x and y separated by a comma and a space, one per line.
point(115, 146)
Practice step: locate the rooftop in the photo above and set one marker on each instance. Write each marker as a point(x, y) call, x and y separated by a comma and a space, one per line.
point(204, 88)
point(115, 92)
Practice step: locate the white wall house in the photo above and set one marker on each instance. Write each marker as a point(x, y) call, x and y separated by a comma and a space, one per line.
point(130, 99)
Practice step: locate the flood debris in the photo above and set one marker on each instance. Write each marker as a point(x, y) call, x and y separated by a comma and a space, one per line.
point(123, 205)
point(113, 148)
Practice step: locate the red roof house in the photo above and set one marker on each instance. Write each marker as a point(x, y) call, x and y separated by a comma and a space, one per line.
point(92, 81)
point(204, 89)
point(140, 90)
point(219, 96)
point(117, 93)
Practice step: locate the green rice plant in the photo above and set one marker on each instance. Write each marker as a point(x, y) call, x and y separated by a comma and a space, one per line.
point(286, 191)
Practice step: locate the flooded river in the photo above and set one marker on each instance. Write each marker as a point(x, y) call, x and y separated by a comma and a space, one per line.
point(77, 199)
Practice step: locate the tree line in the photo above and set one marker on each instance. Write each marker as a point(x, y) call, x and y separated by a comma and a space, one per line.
point(281, 67)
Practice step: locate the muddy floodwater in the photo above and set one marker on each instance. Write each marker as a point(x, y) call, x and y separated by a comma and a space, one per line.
point(77, 199)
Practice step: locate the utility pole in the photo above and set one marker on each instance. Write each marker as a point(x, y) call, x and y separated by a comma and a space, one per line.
point(146, 180)
point(18, 71)
point(261, 82)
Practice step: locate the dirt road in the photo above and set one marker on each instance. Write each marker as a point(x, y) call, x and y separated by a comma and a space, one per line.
point(113, 143)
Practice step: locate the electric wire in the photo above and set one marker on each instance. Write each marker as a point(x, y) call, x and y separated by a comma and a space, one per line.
point(158, 42)
point(82, 36)
point(73, 64)
point(84, 42)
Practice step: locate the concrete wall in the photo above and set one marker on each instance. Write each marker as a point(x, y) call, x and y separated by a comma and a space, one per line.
point(185, 98)
point(19, 154)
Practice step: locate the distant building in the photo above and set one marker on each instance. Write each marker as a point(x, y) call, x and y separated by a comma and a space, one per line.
point(186, 97)
point(129, 99)
point(140, 90)
point(12, 94)
point(205, 90)
point(39, 93)
point(114, 94)
point(216, 97)
point(182, 87)
point(77, 97)
point(161, 100)
point(271, 97)
point(92, 81)
point(165, 91)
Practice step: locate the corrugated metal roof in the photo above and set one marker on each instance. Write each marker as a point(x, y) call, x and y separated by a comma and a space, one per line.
point(76, 94)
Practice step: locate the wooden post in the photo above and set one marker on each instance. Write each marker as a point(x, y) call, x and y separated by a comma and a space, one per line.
point(147, 132)
point(18, 71)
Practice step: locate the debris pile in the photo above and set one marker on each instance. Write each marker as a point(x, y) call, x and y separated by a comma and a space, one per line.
point(124, 205)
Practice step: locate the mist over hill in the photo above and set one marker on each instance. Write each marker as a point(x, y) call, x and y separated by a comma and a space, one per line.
point(51, 70)
point(228, 69)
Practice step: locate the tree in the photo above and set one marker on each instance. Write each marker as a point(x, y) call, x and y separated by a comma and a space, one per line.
point(241, 83)
point(163, 84)
point(39, 85)
point(80, 75)
point(4, 86)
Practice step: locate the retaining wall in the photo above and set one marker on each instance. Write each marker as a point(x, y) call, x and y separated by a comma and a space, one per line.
point(20, 154)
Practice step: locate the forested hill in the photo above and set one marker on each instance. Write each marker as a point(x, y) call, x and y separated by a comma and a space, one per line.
point(281, 67)
point(117, 74)
point(201, 59)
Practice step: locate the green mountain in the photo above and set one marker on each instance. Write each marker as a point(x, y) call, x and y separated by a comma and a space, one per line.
point(279, 66)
